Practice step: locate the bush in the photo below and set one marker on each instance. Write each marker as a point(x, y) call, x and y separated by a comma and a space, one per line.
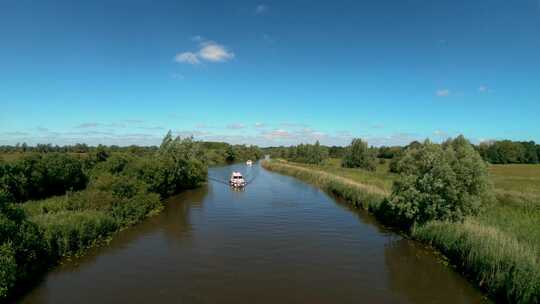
point(358, 155)
point(68, 232)
point(39, 176)
point(8, 269)
point(133, 210)
point(438, 182)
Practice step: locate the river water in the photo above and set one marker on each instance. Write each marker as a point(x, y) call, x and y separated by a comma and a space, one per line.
point(278, 241)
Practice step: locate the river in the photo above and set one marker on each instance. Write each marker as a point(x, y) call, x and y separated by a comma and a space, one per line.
point(278, 241)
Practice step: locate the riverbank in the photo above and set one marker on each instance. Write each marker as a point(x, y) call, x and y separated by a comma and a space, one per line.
point(497, 250)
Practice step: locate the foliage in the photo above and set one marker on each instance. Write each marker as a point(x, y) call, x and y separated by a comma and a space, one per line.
point(358, 155)
point(510, 152)
point(22, 249)
point(388, 152)
point(439, 182)
point(307, 153)
point(8, 268)
point(38, 176)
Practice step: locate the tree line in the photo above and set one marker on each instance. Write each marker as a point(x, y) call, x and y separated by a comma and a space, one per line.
point(493, 152)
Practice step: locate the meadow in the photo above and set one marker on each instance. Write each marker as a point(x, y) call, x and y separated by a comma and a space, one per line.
point(498, 249)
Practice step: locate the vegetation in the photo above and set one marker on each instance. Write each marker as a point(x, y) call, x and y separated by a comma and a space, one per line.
point(510, 152)
point(493, 152)
point(303, 153)
point(37, 176)
point(358, 155)
point(59, 201)
point(496, 246)
point(438, 182)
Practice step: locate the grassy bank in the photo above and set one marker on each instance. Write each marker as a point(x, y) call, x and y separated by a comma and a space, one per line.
point(498, 249)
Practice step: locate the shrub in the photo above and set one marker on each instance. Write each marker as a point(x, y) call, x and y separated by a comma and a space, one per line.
point(135, 209)
point(358, 155)
point(438, 182)
point(36, 176)
point(68, 232)
point(8, 269)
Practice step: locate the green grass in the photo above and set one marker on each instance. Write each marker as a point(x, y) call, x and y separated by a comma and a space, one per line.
point(499, 249)
point(516, 179)
point(362, 195)
point(380, 178)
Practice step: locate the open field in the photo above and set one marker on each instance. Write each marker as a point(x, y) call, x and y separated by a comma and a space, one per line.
point(499, 249)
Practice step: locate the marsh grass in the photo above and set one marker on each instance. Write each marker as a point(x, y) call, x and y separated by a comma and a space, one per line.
point(366, 196)
point(499, 263)
point(499, 249)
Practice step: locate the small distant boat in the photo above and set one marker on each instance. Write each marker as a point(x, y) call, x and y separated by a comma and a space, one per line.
point(249, 162)
point(237, 180)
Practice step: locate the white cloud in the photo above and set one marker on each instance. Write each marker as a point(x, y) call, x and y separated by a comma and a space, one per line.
point(261, 8)
point(260, 125)
point(209, 51)
point(236, 126)
point(440, 133)
point(483, 89)
point(187, 57)
point(278, 133)
point(202, 126)
point(214, 52)
point(443, 92)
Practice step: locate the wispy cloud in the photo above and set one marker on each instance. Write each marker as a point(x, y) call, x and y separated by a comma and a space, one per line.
point(87, 125)
point(277, 133)
point(236, 126)
point(293, 125)
point(260, 125)
point(483, 89)
point(442, 92)
point(440, 133)
point(15, 133)
point(187, 57)
point(209, 51)
point(261, 8)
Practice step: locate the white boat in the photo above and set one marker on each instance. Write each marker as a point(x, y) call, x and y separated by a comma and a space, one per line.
point(249, 162)
point(237, 180)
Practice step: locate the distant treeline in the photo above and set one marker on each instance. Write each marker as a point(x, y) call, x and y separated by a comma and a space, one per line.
point(494, 152)
point(57, 201)
point(214, 152)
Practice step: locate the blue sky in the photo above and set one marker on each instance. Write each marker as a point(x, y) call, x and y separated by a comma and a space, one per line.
point(268, 73)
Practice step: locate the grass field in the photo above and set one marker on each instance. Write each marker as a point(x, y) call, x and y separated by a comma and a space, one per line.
point(499, 249)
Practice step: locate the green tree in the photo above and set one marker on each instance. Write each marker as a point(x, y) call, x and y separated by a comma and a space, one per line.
point(438, 182)
point(358, 155)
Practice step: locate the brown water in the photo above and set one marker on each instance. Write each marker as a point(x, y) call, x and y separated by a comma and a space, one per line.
point(279, 241)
